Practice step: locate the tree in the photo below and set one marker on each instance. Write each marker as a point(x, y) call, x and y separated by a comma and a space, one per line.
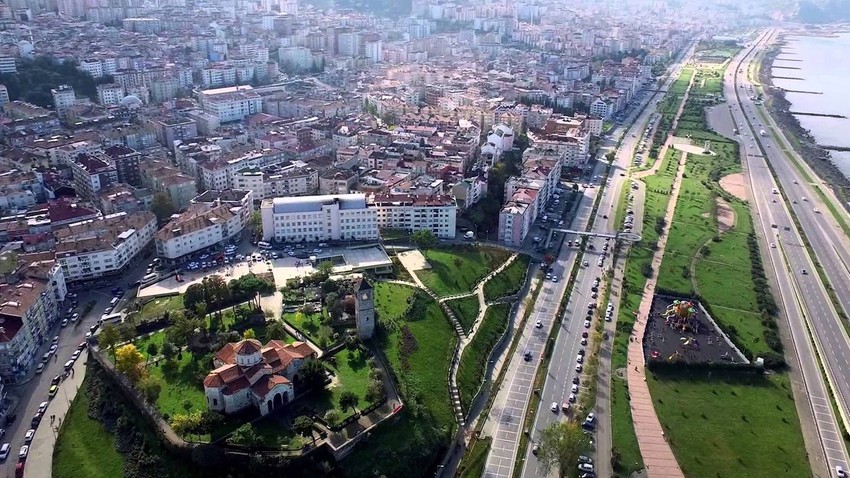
point(560, 445)
point(325, 268)
point(303, 426)
point(374, 391)
point(424, 239)
point(249, 334)
point(162, 207)
point(348, 399)
point(150, 387)
point(210, 421)
point(108, 338)
point(244, 435)
point(308, 309)
point(168, 351)
point(152, 349)
point(126, 331)
point(312, 372)
point(193, 296)
point(332, 417)
point(181, 329)
point(276, 331)
point(128, 360)
point(186, 424)
point(334, 305)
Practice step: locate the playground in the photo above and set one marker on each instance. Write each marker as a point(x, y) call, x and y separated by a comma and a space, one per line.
point(680, 330)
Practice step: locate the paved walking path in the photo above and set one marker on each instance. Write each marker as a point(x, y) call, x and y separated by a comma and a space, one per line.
point(656, 452)
point(40, 458)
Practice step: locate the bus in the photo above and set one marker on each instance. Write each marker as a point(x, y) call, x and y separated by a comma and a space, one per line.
point(264, 245)
point(110, 318)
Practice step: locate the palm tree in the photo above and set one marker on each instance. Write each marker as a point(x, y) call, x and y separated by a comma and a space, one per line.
point(348, 399)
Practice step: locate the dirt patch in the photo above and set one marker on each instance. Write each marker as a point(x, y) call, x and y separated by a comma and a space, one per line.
point(413, 260)
point(725, 216)
point(734, 185)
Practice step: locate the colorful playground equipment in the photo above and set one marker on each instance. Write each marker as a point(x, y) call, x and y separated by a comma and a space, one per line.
point(680, 315)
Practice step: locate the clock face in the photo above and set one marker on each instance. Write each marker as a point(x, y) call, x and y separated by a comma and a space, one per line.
point(365, 296)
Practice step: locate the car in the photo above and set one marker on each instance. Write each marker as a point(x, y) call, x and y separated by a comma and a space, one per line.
point(55, 339)
point(772, 245)
point(554, 407)
point(554, 278)
point(64, 322)
point(578, 368)
point(584, 335)
point(575, 379)
point(549, 275)
point(585, 459)
point(52, 391)
point(583, 341)
point(42, 407)
point(538, 324)
point(839, 471)
point(82, 346)
point(817, 211)
point(53, 348)
point(585, 467)
point(535, 449)
point(804, 272)
point(572, 398)
point(591, 417)
point(28, 436)
point(579, 358)
point(39, 368)
point(594, 295)
point(585, 263)
point(526, 355)
point(75, 355)
point(574, 388)
point(581, 352)
point(586, 324)
point(23, 452)
point(4, 451)
point(565, 406)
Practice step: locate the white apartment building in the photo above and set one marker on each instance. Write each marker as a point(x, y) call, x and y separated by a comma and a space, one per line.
point(276, 182)
point(100, 247)
point(4, 95)
point(319, 218)
point(437, 213)
point(93, 67)
point(231, 104)
point(110, 93)
point(29, 307)
point(7, 64)
point(199, 227)
point(219, 174)
point(218, 76)
point(63, 98)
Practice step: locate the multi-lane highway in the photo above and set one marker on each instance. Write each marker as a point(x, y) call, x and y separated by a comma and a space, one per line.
point(802, 296)
point(569, 344)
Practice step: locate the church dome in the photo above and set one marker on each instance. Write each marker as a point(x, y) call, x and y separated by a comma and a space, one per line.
point(248, 352)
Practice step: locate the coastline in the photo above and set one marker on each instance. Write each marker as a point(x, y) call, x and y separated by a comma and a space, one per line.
point(818, 158)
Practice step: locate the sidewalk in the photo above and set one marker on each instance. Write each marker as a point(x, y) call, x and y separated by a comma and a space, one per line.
point(656, 452)
point(40, 458)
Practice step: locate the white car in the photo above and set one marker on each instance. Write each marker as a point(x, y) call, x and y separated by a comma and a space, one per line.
point(772, 245)
point(585, 263)
point(28, 437)
point(572, 398)
point(4, 451)
point(22, 454)
point(538, 324)
point(574, 389)
point(42, 407)
point(554, 407)
point(585, 467)
point(586, 324)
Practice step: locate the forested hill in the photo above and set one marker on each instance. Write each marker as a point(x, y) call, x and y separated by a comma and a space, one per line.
point(829, 11)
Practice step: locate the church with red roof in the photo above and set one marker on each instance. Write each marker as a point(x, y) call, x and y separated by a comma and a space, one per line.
point(248, 374)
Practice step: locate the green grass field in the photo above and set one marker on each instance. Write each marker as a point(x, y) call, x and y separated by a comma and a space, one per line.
point(156, 307)
point(731, 424)
point(456, 270)
point(466, 310)
point(84, 448)
point(418, 348)
point(352, 372)
point(475, 459)
point(509, 281)
point(181, 382)
point(473, 362)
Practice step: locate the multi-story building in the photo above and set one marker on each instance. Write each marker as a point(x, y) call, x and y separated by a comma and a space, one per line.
point(103, 247)
point(29, 308)
point(231, 104)
point(515, 219)
point(201, 226)
point(92, 172)
point(126, 162)
point(241, 203)
point(4, 95)
point(277, 181)
point(436, 213)
point(110, 93)
point(7, 64)
point(171, 129)
point(63, 99)
point(319, 218)
point(218, 76)
point(161, 177)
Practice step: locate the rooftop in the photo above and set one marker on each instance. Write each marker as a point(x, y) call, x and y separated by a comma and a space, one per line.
point(315, 203)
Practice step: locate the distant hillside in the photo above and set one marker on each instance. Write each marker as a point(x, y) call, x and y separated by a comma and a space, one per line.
point(824, 11)
point(387, 8)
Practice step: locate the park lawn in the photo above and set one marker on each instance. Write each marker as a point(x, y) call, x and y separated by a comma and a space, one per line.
point(458, 269)
point(466, 310)
point(308, 324)
point(352, 374)
point(142, 343)
point(84, 448)
point(181, 382)
point(509, 281)
point(473, 362)
point(156, 307)
point(272, 433)
point(731, 424)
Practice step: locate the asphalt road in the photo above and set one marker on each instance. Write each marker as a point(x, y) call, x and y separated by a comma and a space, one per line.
point(802, 296)
point(562, 367)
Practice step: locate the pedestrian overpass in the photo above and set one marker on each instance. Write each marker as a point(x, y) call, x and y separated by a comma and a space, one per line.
point(617, 236)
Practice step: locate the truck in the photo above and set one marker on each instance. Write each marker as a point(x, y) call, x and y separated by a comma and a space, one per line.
point(763, 133)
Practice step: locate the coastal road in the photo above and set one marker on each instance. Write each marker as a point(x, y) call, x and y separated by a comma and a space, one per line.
point(827, 239)
point(562, 367)
point(803, 298)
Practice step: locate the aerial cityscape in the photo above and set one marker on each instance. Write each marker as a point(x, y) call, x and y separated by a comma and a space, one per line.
point(424, 238)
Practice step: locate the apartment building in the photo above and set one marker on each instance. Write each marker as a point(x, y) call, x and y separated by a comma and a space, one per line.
point(29, 307)
point(199, 227)
point(160, 176)
point(241, 203)
point(171, 129)
point(105, 246)
point(319, 218)
point(515, 221)
point(277, 181)
point(126, 162)
point(110, 93)
point(436, 213)
point(92, 172)
point(231, 104)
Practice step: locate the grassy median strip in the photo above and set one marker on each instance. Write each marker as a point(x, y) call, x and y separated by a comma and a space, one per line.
point(473, 362)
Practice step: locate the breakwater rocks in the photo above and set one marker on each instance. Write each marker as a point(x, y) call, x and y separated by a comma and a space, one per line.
point(825, 115)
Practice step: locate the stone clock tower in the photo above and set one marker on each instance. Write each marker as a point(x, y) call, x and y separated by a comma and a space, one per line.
point(364, 303)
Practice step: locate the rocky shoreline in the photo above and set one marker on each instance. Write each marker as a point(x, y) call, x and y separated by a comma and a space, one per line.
point(815, 156)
